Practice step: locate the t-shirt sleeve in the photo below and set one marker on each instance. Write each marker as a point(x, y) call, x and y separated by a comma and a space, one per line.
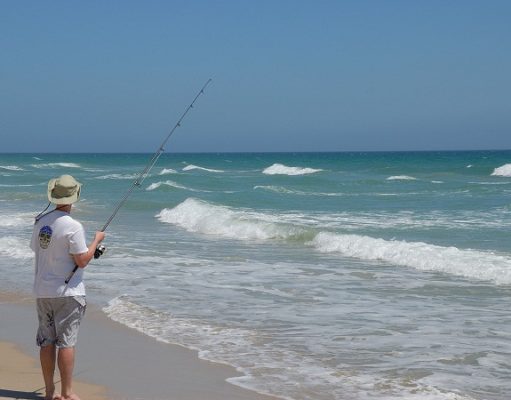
point(77, 243)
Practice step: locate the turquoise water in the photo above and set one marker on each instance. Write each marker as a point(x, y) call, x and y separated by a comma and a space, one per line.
point(317, 275)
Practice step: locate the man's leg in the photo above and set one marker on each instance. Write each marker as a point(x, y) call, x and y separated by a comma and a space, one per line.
point(67, 321)
point(47, 357)
point(66, 361)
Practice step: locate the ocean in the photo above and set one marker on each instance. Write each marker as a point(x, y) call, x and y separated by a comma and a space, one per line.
point(317, 275)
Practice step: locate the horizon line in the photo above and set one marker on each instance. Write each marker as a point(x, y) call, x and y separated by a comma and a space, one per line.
point(258, 152)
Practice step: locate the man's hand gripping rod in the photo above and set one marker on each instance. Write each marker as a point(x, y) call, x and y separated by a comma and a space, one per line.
point(140, 178)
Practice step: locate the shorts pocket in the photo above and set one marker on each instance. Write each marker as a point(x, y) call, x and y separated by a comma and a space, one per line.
point(81, 300)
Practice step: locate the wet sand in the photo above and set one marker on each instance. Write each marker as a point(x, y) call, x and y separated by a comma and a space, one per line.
point(112, 362)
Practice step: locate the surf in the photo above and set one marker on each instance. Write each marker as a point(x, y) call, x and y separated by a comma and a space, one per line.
point(504, 170)
point(117, 176)
point(191, 167)
point(57, 165)
point(171, 184)
point(205, 218)
point(16, 248)
point(474, 264)
point(202, 217)
point(166, 171)
point(401, 178)
point(11, 168)
point(281, 169)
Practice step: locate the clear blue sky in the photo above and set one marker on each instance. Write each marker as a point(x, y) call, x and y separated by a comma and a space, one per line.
point(114, 76)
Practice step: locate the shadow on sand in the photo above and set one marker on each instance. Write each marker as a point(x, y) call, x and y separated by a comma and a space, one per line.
point(16, 394)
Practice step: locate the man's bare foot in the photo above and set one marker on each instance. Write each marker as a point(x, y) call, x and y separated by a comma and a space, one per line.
point(72, 396)
point(51, 395)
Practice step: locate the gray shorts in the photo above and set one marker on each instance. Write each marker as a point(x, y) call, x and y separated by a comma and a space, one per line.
point(59, 320)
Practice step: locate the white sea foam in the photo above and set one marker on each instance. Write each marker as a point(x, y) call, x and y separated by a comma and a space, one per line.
point(284, 190)
point(166, 171)
point(11, 167)
point(276, 189)
point(57, 165)
point(15, 248)
point(192, 167)
point(200, 216)
point(118, 176)
point(22, 185)
point(224, 345)
point(266, 369)
point(401, 178)
point(213, 343)
point(466, 220)
point(280, 169)
point(16, 219)
point(504, 170)
point(173, 184)
point(491, 183)
point(421, 256)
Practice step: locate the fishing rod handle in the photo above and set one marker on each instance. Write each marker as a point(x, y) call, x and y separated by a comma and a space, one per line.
point(71, 274)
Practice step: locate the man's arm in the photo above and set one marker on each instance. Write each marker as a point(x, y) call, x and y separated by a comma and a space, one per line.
point(84, 258)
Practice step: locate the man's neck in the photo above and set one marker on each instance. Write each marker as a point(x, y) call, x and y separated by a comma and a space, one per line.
point(65, 208)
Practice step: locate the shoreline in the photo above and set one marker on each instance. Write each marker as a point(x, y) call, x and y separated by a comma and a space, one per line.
point(112, 361)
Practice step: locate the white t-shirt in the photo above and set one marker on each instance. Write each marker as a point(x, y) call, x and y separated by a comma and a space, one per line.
point(56, 237)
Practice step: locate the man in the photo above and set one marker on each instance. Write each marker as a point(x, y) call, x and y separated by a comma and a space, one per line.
point(59, 245)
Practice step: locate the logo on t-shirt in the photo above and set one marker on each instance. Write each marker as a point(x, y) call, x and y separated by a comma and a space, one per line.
point(45, 236)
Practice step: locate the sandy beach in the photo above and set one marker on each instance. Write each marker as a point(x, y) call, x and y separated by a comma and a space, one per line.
point(20, 377)
point(113, 362)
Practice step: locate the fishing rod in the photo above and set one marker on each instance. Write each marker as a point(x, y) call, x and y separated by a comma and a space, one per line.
point(140, 178)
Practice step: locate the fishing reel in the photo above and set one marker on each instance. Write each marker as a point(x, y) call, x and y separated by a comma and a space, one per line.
point(99, 251)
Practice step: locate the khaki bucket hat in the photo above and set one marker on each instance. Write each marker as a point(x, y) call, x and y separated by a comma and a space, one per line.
point(63, 190)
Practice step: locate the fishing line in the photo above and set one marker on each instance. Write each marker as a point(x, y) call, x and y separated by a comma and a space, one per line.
point(42, 214)
point(140, 178)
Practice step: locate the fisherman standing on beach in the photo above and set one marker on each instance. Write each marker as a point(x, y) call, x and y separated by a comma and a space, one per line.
point(59, 244)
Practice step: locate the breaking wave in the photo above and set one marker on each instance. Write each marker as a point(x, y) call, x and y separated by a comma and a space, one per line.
point(118, 176)
point(202, 217)
point(280, 169)
point(173, 184)
point(421, 256)
point(504, 170)
point(22, 185)
point(205, 218)
point(192, 167)
point(284, 190)
point(276, 189)
point(11, 168)
point(166, 171)
point(57, 165)
point(15, 248)
point(16, 219)
point(401, 178)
